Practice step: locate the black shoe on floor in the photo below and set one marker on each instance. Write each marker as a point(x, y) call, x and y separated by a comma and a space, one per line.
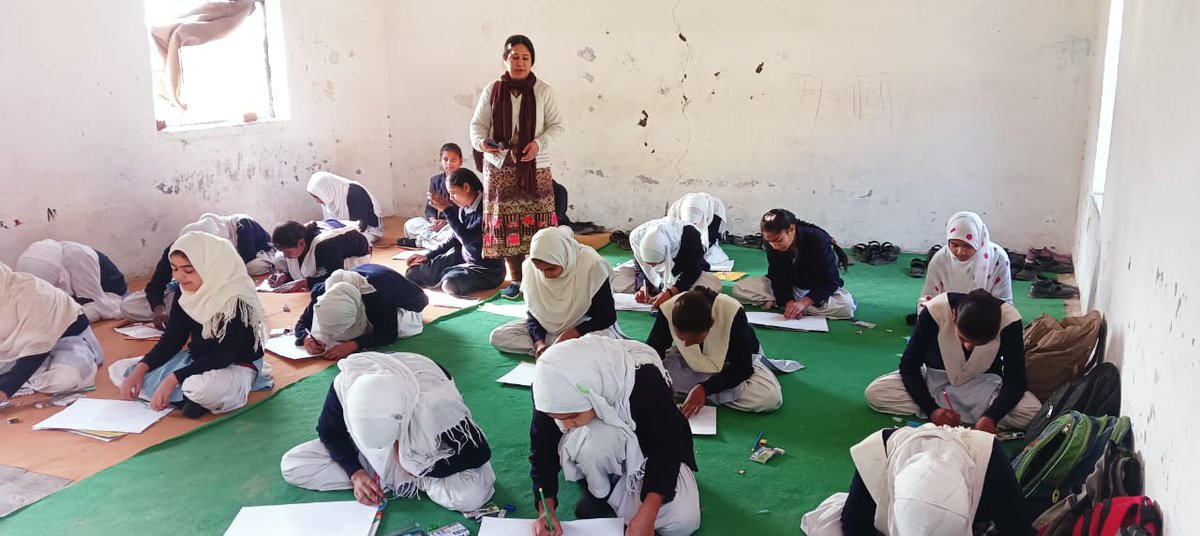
point(406, 242)
point(193, 410)
point(591, 507)
point(512, 291)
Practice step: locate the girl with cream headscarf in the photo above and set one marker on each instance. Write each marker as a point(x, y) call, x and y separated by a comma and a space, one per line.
point(46, 343)
point(713, 354)
point(344, 199)
point(568, 293)
point(668, 258)
point(219, 311)
point(707, 214)
point(926, 481)
point(969, 261)
point(252, 242)
point(85, 274)
point(395, 423)
point(602, 408)
point(364, 307)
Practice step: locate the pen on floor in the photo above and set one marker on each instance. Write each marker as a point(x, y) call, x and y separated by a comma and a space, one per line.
point(756, 442)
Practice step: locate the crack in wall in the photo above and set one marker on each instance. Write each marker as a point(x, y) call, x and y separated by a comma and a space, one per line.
point(684, 106)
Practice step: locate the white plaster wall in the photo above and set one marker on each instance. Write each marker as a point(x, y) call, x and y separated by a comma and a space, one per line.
point(1143, 265)
point(876, 120)
point(79, 137)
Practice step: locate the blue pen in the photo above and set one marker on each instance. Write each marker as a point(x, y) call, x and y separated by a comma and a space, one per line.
point(756, 442)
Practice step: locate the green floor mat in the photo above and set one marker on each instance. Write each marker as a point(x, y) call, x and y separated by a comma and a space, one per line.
point(195, 484)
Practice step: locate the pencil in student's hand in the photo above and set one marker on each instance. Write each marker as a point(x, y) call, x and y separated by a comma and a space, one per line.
point(545, 510)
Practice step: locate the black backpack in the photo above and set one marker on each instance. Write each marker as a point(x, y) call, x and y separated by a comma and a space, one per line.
point(1096, 393)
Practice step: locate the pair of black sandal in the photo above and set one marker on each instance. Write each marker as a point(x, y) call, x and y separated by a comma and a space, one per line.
point(876, 253)
point(748, 241)
point(621, 239)
point(1028, 267)
point(918, 266)
point(1051, 288)
point(586, 227)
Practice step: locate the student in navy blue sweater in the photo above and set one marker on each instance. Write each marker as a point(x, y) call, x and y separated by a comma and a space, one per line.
point(314, 251)
point(802, 271)
point(253, 245)
point(458, 266)
point(395, 422)
point(364, 307)
point(431, 230)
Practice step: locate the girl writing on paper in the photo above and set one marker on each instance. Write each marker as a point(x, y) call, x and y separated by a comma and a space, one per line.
point(668, 258)
point(603, 415)
point(707, 214)
point(568, 293)
point(395, 423)
point(312, 252)
point(46, 342)
point(364, 307)
point(712, 353)
point(344, 199)
point(219, 312)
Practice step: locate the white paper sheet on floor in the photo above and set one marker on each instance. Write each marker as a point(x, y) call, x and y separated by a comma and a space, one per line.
point(507, 526)
point(285, 346)
point(776, 320)
point(626, 302)
point(514, 310)
point(139, 331)
point(705, 422)
point(522, 374)
point(341, 518)
point(104, 415)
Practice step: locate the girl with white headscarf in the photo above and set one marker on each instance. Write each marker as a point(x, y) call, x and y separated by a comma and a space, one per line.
point(926, 481)
point(253, 245)
point(219, 311)
point(668, 258)
point(707, 214)
point(969, 261)
point(568, 293)
point(46, 343)
point(367, 306)
point(344, 199)
point(712, 353)
point(85, 274)
point(603, 414)
point(395, 423)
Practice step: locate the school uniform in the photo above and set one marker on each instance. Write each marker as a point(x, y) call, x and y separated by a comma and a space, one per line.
point(226, 327)
point(56, 353)
point(929, 480)
point(85, 274)
point(250, 240)
point(638, 443)
point(809, 268)
point(458, 266)
point(580, 297)
point(371, 305)
point(344, 199)
point(707, 214)
point(676, 250)
point(988, 381)
point(420, 229)
point(400, 417)
point(729, 364)
point(988, 269)
point(329, 246)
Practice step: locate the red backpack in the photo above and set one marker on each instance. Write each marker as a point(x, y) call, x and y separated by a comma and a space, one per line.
point(1123, 516)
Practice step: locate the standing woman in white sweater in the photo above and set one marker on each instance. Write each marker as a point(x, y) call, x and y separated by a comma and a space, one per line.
point(515, 122)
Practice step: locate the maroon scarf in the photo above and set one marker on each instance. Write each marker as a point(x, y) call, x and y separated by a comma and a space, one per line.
point(502, 127)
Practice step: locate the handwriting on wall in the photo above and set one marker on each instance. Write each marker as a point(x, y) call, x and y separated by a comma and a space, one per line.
point(857, 97)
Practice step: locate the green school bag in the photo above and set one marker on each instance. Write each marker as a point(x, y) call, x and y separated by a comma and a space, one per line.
point(1061, 457)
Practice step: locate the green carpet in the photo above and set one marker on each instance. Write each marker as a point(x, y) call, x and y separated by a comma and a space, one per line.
point(196, 483)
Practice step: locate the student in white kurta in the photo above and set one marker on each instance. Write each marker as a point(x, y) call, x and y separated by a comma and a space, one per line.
point(344, 199)
point(707, 214)
point(218, 311)
point(568, 293)
point(46, 343)
point(603, 416)
point(85, 274)
point(969, 261)
point(668, 258)
point(395, 423)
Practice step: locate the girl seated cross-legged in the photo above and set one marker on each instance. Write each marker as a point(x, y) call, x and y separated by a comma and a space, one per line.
point(218, 311)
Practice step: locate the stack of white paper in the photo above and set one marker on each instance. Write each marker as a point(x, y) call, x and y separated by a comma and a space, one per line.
point(507, 526)
point(776, 320)
point(341, 518)
point(626, 302)
point(285, 346)
point(522, 374)
point(125, 416)
point(705, 422)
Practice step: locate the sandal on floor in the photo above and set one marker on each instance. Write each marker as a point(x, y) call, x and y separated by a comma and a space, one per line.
point(932, 251)
point(861, 253)
point(1052, 289)
point(916, 268)
point(1057, 267)
point(621, 239)
point(889, 252)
